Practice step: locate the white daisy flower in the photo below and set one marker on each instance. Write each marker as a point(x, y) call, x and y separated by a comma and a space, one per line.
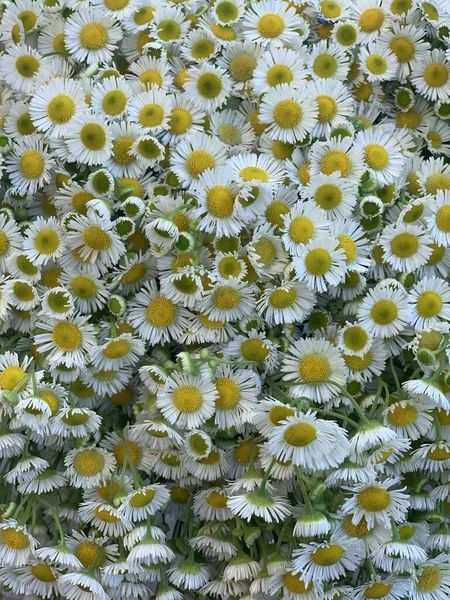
point(377, 503)
point(187, 401)
point(268, 22)
point(327, 560)
point(290, 113)
point(91, 35)
point(384, 312)
point(320, 262)
point(315, 367)
point(29, 165)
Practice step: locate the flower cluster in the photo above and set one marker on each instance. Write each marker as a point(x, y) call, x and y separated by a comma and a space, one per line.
point(225, 299)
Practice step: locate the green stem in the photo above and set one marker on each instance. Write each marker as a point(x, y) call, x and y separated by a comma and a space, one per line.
point(266, 476)
point(331, 413)
point(395, 376)
point(304, 491)
point(437, 426)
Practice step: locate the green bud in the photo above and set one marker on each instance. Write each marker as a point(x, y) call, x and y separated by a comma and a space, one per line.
point(426, 357)
point(251, 535)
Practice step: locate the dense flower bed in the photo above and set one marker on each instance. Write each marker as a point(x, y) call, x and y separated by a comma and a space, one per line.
point(225, 300)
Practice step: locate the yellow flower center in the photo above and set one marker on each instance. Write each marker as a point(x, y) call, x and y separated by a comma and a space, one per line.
point(117, 349)
point(314, 366)
point(114, 103)
point(443, 218)
point(83, 287)
point(318, 262)
point(230, 266)
point(429, 579)
point(47, 241)
point(93, 36)
point(168, 30)
point(371, 20)
point(336, 160)
point(179, 121)
point(79, 201)
point(429, 304)
point(282, 299)
point(27, 66)
point(14, 538)
point(325, 557)
point(241, 452)
point(404, 245)
point(374, 499)
point(327, 108)
point(253, 174)
point(187, 398)
point(226, 298)
point(376, 64)
point(401, 7)
point(24, 124)
point(270, 26)
point(89, 552)
point(406, 531)
point(96, 238)
point(254, 349)
point(360, 530)
point(151, 115)
point(134, 452)
point(346, 34)
point(384, 312)
point(216, 500)
point(435, 75)
point(377, 590)
point(51, 399)
point(202, 49)
point(358, 363)
point(74, 419)
point(229, 393)
point(105, 515)
point(280, 413)
point(43, 572)
point(161, 312)
point(121, 150)
point(67, 336)
point(93, 136)
point(198, 161)
point(142, 498)
point(330, 9)
point(325, 66)
point(439, 454)
point(23, 291)
point(295, 584)
point(32, 164)
point(266, 251)
point(212, 459)
point(115, 5)
point(151, 77)
point(61, 109)
point(287, 114)
point(220, 201)
point(348, 245)
point(209, 85)
point(355, 338)
point(59, 44)
point(180, 495)
point(376, 157)
point(437, 181)
point(403, 48)
point(89, 462)
point(301, 230)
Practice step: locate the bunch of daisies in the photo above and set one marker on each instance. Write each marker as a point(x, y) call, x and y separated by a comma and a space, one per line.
point(225, 299)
